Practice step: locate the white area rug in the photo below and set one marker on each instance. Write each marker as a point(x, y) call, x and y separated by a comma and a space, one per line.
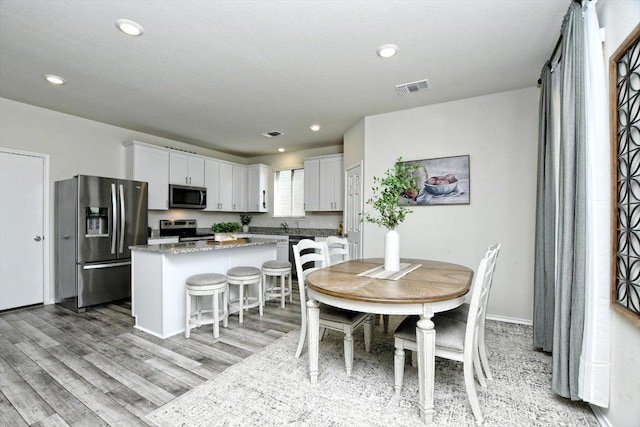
point(272, 388)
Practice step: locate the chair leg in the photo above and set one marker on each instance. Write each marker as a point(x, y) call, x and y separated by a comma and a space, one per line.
point(385, 320)
point(483, 354)
point(216, 315)
point(282, 290)
point(187, 329)
point(290, 288)
point(348, 352)
point(303, 335)
point(225, 304)
point(478, 368)
point(198, 309)
point(368, 332)
point(398, 365)
point(471, 391)
point(414, 359)
point(322, 332)
point(260, 297)
point(241, 303)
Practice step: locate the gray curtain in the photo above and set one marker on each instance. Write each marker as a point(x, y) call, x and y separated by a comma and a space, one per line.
point(545, 253)
point(568, 265)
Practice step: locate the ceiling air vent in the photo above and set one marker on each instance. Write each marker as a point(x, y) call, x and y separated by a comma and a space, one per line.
point(272, 134)
point(407, 88)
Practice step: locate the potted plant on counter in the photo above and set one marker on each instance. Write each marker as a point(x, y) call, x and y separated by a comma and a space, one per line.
point(385, 200)
point(224, 231)
point(245, 220)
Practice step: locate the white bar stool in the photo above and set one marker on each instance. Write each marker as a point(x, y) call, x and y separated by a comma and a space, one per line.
point(201, 285)
point(245, 276)
point(280, 269)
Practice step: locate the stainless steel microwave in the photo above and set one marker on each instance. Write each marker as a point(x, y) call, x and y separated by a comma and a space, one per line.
point(187, 197)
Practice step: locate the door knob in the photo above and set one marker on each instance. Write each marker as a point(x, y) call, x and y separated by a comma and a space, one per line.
point(37, 238)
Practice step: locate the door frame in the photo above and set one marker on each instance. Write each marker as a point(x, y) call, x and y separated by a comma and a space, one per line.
point(46, 220)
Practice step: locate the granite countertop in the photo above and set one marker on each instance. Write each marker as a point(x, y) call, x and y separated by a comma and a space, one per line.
point(198, 246)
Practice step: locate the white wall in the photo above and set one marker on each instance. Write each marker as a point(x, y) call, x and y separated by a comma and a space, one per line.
point(499, 133)
point(619, 17)
point(81, 146)
point(76, 146)
point(354, 145)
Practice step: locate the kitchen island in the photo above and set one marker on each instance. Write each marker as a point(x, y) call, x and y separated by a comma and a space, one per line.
point(159, 272)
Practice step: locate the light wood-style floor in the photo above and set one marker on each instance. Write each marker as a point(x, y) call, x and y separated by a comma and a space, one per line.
point(60, 368)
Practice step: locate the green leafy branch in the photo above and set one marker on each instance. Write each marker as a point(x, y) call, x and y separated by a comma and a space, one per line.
point(386, 191)
point(226, 227)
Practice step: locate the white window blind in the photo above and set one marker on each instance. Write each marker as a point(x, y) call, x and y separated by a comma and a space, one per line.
point(289, 193)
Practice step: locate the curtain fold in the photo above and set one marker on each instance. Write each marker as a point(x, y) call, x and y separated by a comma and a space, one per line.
point(595, 359)
point(545, 238)
point(571, 305)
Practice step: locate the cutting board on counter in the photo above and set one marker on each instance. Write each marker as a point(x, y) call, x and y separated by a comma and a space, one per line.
point(227, 242)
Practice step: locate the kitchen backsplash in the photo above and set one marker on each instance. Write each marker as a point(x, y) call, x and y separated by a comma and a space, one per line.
point(320, 224)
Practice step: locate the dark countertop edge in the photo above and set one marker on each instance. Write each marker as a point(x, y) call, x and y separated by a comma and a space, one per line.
point(278, 231)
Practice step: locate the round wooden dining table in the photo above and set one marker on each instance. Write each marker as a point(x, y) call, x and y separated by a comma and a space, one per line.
point(429, 287)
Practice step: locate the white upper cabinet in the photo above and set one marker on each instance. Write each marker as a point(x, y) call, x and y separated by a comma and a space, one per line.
point(239, 188)
point(186, 169)
point(151, 164)
point(324, 183)
point(219, 181)
point(231, 187)
point(258, 188)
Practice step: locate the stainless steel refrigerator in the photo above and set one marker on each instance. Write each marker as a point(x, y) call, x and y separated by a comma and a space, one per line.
point(96, 220)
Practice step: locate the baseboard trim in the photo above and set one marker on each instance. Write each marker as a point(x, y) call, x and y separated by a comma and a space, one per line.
point(600, 416)
point(510, 320)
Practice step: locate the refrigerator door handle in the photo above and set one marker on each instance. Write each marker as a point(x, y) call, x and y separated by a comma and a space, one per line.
point(111, 264)
point(114, 215)
point(122, 217)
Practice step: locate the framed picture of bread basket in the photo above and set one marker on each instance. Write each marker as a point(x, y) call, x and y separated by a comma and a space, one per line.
point(441, 181)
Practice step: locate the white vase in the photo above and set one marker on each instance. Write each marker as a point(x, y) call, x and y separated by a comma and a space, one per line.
point(392, 251)
point(245, 228)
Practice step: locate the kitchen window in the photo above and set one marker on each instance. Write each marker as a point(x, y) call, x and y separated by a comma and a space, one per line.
point(289, 193)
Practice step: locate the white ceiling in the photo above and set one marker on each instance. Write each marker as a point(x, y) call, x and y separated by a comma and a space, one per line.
point(217, 74)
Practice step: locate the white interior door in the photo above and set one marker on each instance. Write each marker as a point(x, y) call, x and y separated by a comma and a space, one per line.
point(354, 210)
point(21, 230)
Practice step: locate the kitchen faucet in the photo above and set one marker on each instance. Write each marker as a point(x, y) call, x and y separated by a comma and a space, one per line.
point(285, 226)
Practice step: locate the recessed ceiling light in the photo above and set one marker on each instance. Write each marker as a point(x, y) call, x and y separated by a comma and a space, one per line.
point(315, 128)
point(387, 50)
point(281, 150)
point(129, 27)
point(54, 80)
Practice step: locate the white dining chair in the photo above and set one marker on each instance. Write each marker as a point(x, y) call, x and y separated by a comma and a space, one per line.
point(455, 340)
point(338, 249)
point(309, 256)
point(339, 252)
point(461, 313)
